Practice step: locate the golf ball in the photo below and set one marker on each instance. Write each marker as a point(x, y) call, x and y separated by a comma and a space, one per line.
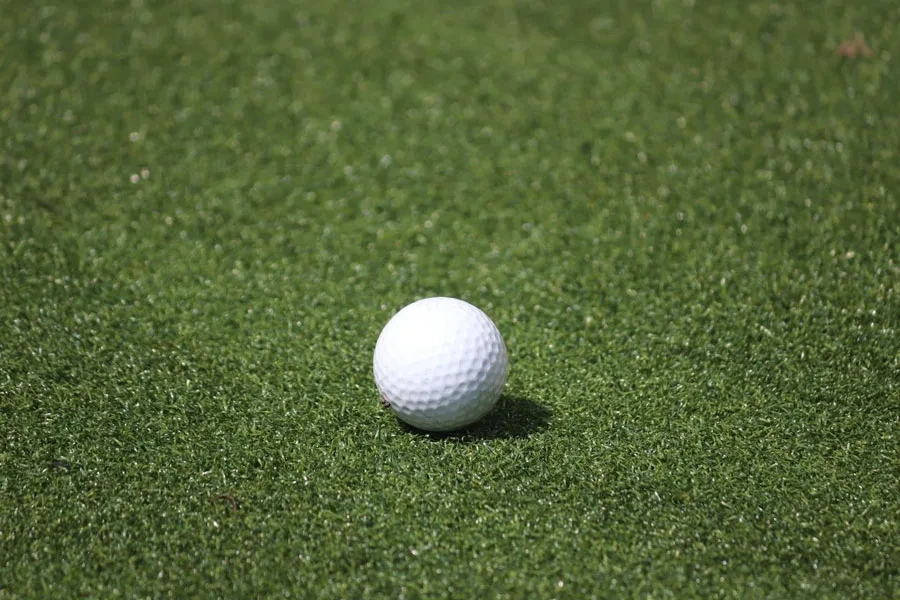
point(440, 364)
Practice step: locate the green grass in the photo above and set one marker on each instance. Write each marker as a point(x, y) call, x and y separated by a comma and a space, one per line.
point(683, 216)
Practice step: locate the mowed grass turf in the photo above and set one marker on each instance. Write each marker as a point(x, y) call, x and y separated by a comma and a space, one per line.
point(683, 216)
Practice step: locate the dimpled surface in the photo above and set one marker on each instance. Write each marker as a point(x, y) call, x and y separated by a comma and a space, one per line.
point(440, 363)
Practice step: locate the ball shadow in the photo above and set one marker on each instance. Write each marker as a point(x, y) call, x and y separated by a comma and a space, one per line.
point(514, 417)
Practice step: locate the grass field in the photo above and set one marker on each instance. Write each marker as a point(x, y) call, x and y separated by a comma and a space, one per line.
point(683, 216)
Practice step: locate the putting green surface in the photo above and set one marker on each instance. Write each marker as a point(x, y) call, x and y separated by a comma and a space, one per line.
point(683, 216)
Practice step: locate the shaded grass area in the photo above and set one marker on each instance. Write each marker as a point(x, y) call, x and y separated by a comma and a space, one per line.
point(682, 216)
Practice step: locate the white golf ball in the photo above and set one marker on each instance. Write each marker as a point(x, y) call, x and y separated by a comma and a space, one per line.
point(440, 364)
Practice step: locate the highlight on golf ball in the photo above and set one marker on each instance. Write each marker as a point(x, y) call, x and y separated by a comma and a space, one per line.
point(440, 364)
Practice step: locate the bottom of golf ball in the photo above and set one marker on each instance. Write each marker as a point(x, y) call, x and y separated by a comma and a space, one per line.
point(440, 364)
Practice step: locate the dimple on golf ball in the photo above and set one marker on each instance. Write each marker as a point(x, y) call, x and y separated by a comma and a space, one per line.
point(440, 364)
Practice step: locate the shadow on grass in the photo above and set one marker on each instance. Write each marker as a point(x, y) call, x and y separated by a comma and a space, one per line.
point(514, 417)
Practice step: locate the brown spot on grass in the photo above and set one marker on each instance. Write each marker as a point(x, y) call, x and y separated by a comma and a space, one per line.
point(229, 499)
point(854, 47)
